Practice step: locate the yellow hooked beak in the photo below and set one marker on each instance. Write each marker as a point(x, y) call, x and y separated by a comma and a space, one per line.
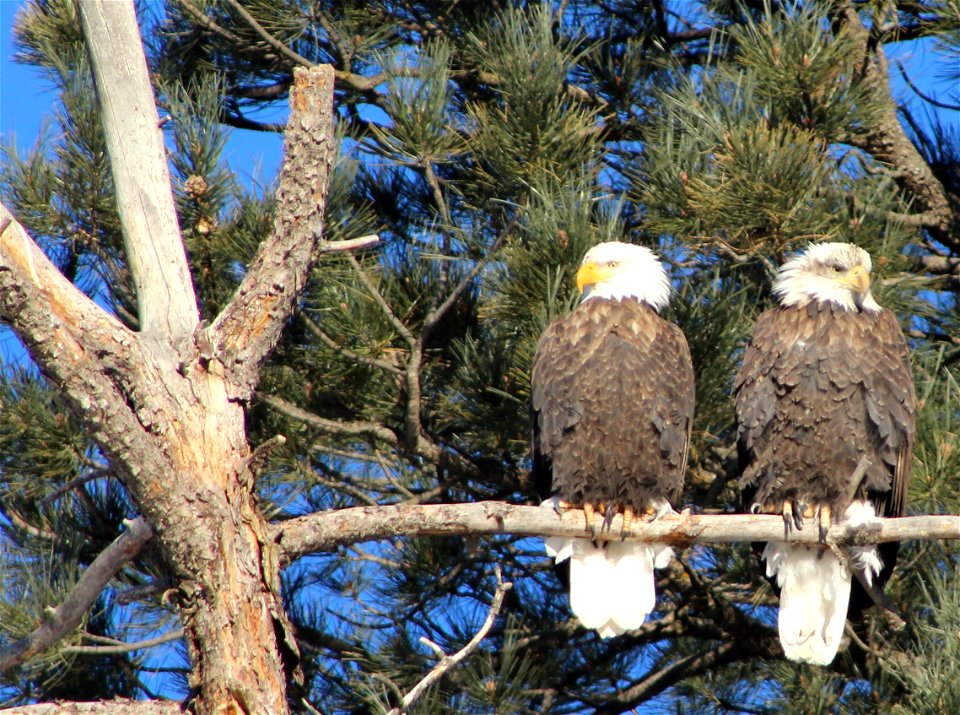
point(592, 273)
point(857, 279)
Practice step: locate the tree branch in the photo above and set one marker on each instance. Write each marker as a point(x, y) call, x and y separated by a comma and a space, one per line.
point(327, 530)
point(294, 57)
point(68, 615)
point(662, 678)
point(888, 142)
point(119, 648)
point(333, 427)
point(158, 261)
point(449, 661)
point(103, 707)
point(248, 328)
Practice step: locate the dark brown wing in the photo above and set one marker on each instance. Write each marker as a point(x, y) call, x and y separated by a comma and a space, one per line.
point(820, 389)
point(612, 401)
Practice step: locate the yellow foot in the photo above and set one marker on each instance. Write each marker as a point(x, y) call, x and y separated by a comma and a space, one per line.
point(628, 516)
point(824, 516)
point(792, 517)
point(589, 511)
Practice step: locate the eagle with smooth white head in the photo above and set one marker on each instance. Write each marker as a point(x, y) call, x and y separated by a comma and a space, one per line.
point(825, 411)
point(612, 405)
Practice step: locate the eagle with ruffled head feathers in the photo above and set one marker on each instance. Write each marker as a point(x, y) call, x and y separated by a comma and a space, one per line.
point(825, 412)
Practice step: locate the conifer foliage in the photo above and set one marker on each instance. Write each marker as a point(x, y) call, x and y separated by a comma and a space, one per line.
point(488, 145)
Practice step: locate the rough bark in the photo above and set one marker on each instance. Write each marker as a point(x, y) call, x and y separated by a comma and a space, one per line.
point(888, 142)
point(164, 409)
point(250, 325)
point(106, 707)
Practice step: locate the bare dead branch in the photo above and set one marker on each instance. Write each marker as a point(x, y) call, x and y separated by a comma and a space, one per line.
point(158, 261)
point(121, 648)
point(449, 661)
point(350, 244)
point(326, 530)
point(333, 427)
point(68, 615)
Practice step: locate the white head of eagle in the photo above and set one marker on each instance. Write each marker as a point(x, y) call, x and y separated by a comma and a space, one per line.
point(616, 271)
point(837, 273)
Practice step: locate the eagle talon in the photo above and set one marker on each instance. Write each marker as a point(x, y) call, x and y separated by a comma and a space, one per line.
point(824, 517)
point(657, 509)
point(628, 516)
point(609, 511)
point(589, 511)
point(791, 519)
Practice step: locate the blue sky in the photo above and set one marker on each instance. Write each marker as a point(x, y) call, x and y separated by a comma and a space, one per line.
point(25, 99)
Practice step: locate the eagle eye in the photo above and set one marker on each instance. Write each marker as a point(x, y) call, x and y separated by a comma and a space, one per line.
point(837, 268)
point(612, 264)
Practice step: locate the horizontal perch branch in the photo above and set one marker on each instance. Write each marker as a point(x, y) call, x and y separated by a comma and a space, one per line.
point(326, 530)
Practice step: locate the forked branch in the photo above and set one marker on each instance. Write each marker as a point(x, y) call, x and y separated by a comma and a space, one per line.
point(449, 661)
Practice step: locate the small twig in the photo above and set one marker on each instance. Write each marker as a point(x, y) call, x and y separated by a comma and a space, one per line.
point(120, 648)
point(856, 479)
point(375, 293)
point(314, 328)
point(433, 646)
point(438, 313)
point(74, 483)
point(18, 521)
point(350, 244)
point(206, 22)
point(310, 709)
point(67, 616)
point(267, 37)
point(449, 661)
point(881, 601)
point(924, 97)
point(333, 427)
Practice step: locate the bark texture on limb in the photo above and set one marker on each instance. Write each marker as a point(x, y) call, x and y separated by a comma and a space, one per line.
point(888, 142)
point(105, 707)
point(165, 404)
point(328, 530)
point(249, 327)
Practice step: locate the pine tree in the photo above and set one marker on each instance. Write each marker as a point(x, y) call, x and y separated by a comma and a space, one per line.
point(489, 145)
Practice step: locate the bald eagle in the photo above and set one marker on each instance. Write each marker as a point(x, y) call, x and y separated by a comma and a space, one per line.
point(612, 405)
point(825, 412)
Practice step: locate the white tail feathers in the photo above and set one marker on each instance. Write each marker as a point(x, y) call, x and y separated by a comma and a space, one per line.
point(815, 591)
point(612, 586)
